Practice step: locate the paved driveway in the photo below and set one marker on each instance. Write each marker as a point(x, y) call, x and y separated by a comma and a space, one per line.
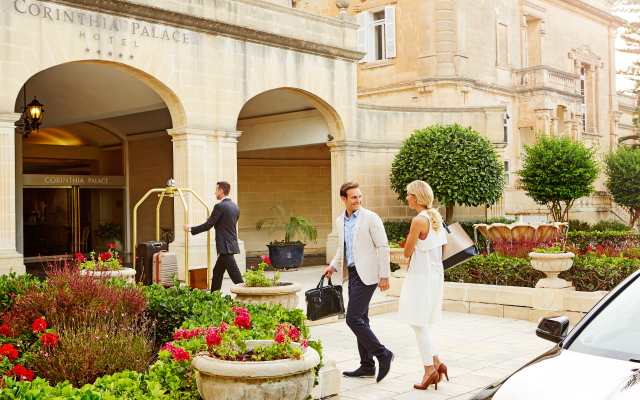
point(477, 350)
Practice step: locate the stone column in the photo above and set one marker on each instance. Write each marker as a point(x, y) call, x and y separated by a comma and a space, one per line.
point(10, 259)
point(344, 168)
point(568, 124)
point(202, 157)
point(591, 98)
point(543, 121)
point(553, 126)
point(613, 130)
point(523, 34)
point(445, 38)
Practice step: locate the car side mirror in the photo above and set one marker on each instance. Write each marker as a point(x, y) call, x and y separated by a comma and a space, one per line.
point(554, 329)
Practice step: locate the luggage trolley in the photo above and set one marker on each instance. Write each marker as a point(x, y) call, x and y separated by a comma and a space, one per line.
point(170, 191)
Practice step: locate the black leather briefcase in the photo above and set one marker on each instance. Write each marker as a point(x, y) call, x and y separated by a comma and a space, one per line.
point(324, 301)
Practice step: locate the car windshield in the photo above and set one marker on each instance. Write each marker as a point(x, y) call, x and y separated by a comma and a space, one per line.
point(615, 332)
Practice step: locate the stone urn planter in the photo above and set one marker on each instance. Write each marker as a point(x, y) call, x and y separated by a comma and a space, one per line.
point(552, 264)
point(286, 256)
point(285, 294)
point(286, 379)
point(128, 273)
point(397, 277)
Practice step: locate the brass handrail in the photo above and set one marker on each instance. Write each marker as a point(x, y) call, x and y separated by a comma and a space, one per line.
point(169, 192)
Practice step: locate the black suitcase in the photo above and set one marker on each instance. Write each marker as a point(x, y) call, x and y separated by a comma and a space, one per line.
point(144, 260)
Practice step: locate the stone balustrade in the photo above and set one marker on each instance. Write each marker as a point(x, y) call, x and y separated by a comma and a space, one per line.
point(546, 77)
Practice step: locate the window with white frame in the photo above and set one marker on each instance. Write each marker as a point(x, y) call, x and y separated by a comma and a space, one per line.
point(377, 34)
point(583, 105)
point(505, 125)
point(506, 173)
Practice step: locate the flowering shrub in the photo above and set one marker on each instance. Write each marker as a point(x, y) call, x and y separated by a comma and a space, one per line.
point(108, 261)
point(600, 272)
point(620, 241)
point(242, 321)
point(258, 278)
point(398, 244)
point(552, 248)
point(68, 296)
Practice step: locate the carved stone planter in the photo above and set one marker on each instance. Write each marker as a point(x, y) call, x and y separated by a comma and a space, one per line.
point(552, 265)
point(128, 273)
point(397, 277)
point(285, 295)
point(274, 380)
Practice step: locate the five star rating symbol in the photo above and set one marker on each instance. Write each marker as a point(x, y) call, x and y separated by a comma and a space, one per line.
point(87, 49)
point(120, 55)
point(131, 57)
point(99, 51)
point(110, 53)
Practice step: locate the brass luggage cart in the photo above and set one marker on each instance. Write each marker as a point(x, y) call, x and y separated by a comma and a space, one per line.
point(170, 191)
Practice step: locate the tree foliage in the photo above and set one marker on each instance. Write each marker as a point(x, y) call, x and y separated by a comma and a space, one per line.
point(458, 163)
point(622, 167)
point(631, 36)
point(556, 171)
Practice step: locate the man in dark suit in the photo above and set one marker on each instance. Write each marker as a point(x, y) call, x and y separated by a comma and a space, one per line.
point(224, 219)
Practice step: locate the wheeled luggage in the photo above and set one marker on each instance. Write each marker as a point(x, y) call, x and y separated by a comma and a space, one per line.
point(144, 260)
point(165, 268)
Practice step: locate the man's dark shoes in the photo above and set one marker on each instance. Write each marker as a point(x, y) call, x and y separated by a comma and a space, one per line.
point(360, 373)
point(384, 365)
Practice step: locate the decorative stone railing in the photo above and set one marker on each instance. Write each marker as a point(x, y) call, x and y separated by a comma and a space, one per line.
point(546, 77)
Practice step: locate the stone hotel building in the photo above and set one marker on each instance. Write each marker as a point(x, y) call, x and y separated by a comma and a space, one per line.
point(285, 99)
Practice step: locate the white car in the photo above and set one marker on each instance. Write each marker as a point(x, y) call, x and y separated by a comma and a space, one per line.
point(598, 360)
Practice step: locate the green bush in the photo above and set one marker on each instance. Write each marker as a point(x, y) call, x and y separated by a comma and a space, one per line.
point(610, 226)
point(14, 285)
point(579, 226)
point(588, 273)
point(396, 230)
point(620, 241)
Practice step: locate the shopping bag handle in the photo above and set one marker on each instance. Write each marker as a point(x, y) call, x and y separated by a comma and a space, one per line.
point(446, 226)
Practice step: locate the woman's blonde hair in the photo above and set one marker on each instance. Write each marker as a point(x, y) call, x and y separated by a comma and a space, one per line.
point(424, 195)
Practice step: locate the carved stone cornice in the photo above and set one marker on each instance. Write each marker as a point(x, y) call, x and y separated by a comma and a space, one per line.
point(356, 145)
point(452, 109)
point(126, 9)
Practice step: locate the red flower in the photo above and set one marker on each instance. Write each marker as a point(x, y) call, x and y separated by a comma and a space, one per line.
point(80, 257)
point(49, 340)
point(267, 260)
point(112, 246)
point(279, 338)
point(549, 244)
point(599, 247)
point(401, 244)
point(120, 261)
point(632, 257)
point(590, 248)
point(4, 330)
point(214, 338)
point(223, 327)
point(22, 373)
point(294, 334)
point(484, 254)
point(9, 351)
point(181, 355)
point(39, 325)
point(12, 295)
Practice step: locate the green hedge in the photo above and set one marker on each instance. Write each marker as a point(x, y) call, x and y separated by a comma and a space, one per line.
point(600, 226)
point(588, 273)
point(618, 240)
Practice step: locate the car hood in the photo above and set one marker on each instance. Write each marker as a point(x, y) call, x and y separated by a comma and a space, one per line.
point(567, 374)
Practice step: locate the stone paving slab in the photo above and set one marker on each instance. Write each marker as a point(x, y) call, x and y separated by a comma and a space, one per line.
point(474, 358)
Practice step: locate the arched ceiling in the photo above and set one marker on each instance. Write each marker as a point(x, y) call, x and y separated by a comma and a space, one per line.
point(91, 104)
point(274, 102)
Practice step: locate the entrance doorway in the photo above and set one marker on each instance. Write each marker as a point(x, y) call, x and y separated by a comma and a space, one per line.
point(61, 221)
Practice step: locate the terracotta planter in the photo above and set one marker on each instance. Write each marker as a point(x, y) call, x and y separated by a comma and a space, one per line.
point(274, 380)
point(128, 273)
point(552, 265)
point(285, 295)
point(397, 277)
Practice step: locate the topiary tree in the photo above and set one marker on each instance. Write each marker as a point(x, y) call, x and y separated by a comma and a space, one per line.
point(557, 170)
point(458, 163)
point(622, 167)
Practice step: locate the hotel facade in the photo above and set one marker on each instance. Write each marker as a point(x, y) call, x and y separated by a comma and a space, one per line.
point(285, 100)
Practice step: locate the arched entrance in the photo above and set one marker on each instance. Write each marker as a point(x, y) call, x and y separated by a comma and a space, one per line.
point(103, 143)
point(284, 160)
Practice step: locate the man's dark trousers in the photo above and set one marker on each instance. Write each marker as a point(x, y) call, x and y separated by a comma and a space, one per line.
point(358, 320)
point(225, 262)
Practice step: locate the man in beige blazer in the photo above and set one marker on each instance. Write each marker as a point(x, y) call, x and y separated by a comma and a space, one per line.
point(363, 255)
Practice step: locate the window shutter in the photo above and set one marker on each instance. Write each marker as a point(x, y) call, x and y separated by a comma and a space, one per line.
point(362, 35)
point(390, 30)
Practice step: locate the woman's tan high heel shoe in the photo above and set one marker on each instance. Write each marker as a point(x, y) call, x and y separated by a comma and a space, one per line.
point(433, 378)
point(442, 370)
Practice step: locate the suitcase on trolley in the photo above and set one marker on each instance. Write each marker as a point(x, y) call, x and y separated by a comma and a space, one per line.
point(165, 268)
point(144, 260)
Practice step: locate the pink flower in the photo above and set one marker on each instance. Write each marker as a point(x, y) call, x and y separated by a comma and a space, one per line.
point(294, 334)
point(279, 338)
point(181, 355)
point(223, 327)
point(305, 343)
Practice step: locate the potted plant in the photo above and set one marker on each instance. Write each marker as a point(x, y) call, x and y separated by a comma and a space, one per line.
point(288, 254)
point(552, 260)
point(398, 274)
point(111, 232)
point(231, 367)
point(105, 266)
point(259, 289)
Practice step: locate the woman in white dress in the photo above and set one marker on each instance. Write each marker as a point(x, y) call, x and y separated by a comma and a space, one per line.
point(422, 290)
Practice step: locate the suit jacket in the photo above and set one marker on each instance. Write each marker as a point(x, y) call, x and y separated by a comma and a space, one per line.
point(371, 251)
point(224, 219)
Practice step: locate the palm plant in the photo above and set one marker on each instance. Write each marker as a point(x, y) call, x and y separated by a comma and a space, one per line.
point(292, 225)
